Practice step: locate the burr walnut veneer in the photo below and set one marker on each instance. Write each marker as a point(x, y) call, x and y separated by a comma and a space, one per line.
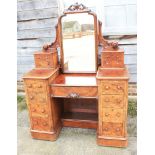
point(97, 100)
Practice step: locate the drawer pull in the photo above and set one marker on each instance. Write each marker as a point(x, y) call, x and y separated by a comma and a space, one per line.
point(44, 124)
point(73, 95)
point(33, 110)
point(30, 86)
point(43, 110)
point(118, 101)
point(31, 97)
point(119, 87)
point(106, 87)
point(40, 86)
point(105, 129)
point(118, 114)
point(117, 129)
point(106, 114)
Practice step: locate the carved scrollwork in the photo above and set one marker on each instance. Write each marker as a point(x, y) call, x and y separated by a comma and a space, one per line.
point(73, 95)
point(76, 7)
point(107, 45)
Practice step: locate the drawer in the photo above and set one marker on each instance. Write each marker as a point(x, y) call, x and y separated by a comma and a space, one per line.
point(112, 101)
point(112, 129)
point(74, 92)
point(37, 97)
point(113, 59)
point(113, 87)
point(38, 123)
point(112, 115)
point(35, 86)
point(39, 110)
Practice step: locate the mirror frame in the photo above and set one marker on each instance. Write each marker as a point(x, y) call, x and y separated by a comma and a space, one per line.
point(78, 9)
point(99, 39)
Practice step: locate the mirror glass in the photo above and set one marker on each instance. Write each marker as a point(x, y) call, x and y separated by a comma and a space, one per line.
point(78, 40)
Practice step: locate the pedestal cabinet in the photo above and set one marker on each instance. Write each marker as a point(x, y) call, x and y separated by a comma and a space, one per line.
point(112, 112)
point(44, 112)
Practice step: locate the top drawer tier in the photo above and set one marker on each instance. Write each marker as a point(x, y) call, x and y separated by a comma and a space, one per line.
point(113, 87)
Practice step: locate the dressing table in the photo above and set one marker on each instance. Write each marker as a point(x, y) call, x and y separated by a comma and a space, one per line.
point(75, 89)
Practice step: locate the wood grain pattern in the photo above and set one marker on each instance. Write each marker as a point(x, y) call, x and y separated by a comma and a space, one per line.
point(113, 59)
point(46, 60)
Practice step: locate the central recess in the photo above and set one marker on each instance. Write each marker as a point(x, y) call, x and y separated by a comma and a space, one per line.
point(81, 113)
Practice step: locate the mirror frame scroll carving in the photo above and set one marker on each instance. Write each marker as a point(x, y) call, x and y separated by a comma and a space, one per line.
point(99, 39)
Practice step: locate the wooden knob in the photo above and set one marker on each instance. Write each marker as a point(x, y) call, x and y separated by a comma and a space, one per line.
point(118, 100)
point(119, 87)
point(107, 87)
point(106, 114)
point(118, 114)
point(40, 86)
point(44, 124)
point(106, 100)
point(106, 129)
point(31, 97)
point(117, 129)
point(30, 86)
point(33, 110)
point(43, 110)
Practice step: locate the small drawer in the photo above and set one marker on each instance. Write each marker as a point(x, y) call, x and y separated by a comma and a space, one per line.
point(35, 86)
point(39, 110)
point(37, 98)
point(46, 59)
point(112, 129)
point(112, 101)
point(112, 115)
point(38, 123)
point(113, 87)
point(112, 59)
point(74, 92)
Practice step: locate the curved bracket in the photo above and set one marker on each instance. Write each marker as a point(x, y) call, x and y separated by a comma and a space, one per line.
point(107, 45)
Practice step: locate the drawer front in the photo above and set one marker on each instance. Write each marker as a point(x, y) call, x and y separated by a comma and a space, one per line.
point(39, 110)
point(113, 87)
point(37, 98)
point(112, 129)
point(42, 60)
point(35, 86)
point(112, 59)
point(46, 60)
point(38, 123)
point(74, 92)
point(112, 115)
point(112, 101)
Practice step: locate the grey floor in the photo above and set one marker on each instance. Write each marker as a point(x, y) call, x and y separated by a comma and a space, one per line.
point(72, 141)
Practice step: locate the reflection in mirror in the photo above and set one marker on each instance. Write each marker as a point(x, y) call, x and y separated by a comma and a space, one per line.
point(78, 43)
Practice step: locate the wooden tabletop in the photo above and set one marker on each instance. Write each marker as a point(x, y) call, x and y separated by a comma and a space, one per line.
point(75, 79)
point(117, 73)
point(39, 74)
